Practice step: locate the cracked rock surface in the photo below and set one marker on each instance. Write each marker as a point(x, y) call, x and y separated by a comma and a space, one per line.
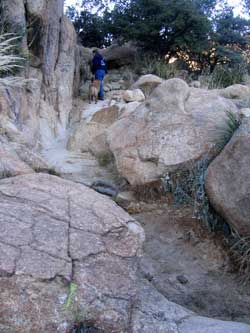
point(53, 232)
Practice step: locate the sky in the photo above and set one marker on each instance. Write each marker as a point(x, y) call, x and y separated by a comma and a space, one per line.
point(235, 3)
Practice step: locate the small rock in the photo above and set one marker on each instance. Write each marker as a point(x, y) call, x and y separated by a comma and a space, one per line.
point(182, 279)
point(125, 198)
point(195, 84)
point(135, 95)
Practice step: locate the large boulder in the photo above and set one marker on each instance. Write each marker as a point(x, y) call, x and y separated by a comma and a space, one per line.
point(147, 83)
point(228, 180)
point(11, 164)
point(236, 91)
point(119, 55)
point(176, 126)
point(54, 232)
point(90, 135)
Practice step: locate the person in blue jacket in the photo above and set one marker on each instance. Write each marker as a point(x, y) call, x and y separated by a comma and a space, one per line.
point(99, 69)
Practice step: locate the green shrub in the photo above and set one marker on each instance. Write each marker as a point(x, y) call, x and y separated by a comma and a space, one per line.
point(225, 132)
point(188, 188)
point(105, 158)
point(224, 76)
point(152, 64)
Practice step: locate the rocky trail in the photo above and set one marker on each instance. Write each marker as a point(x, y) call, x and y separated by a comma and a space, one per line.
point(181, 259)
point(191, 267)
point(74, 260)
point(79, 167)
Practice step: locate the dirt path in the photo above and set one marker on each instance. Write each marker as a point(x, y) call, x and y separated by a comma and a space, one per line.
point(190, 266)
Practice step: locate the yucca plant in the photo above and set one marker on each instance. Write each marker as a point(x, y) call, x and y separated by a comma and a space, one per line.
point(226, 131)
point(9, 61)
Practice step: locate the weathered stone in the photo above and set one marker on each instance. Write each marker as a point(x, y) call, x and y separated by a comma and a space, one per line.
point(30, 157)
point(228, 180)
point(8, 257)
point(147, 83)
point(118, 56)
point(135, 95)
point(236, 91)
point(91, 135)
point(39, 113)
point(176, 126)
point(197, 324)
point(124, 199)
point(11, 164)
point(61, 222)
point(106, 116)
point(195, 84)
point(128, 108)
point(245, 112)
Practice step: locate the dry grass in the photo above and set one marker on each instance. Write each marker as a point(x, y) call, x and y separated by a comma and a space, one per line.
point(10, 62)
point(240, 251)
point(149, 192)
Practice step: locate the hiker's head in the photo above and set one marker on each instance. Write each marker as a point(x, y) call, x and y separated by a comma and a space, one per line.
point(95, 51)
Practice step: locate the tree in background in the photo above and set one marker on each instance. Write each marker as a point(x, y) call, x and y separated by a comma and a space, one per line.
point(247, 6)
point(230, 37)
point(89, 27)
point(191, 30)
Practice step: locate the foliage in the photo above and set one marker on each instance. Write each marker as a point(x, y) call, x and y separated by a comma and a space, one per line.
point(161, 26)
point(149, 192)
point(225, 132)
point(151, 64)
point(79, 317)
point(247, 6)
point(105, 158)
point(71, 296)
point(9, 62)
point(89, 27)
point(230, 38)
point(188, 187)
point(224, 75)
point(192, 30)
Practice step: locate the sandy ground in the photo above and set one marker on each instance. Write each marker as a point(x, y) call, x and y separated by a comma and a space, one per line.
point(191, 267)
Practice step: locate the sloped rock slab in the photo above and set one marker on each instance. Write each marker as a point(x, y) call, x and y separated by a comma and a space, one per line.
point(228, 180)
point(53, 232)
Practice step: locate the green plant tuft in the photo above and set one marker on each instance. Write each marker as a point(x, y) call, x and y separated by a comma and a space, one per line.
point(71, 296)
point(224, 133)
point(152, 64)
point(105, 158)
point(224, 76)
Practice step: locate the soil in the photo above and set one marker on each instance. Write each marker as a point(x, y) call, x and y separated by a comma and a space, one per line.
point(191, 266)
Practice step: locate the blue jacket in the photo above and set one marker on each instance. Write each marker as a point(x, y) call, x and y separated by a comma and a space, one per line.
point(98, 62)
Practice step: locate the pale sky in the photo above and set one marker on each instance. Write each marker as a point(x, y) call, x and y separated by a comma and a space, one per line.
point(238, 8)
